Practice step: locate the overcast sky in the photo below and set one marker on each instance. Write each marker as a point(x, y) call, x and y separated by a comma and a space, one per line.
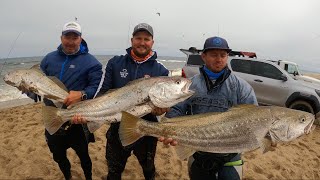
point(278, 29)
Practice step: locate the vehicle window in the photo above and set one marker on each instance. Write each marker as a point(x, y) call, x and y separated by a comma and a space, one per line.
point(266, 70)
point(243, 66)
point(255, 68)
point(195, 59)
point(292, 69)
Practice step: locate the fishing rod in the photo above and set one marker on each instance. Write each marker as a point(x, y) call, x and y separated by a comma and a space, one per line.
point(11, 48)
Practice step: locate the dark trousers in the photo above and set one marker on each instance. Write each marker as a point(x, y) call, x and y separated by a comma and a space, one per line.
point(75, 138)
point(144, 149)
point(209, 166)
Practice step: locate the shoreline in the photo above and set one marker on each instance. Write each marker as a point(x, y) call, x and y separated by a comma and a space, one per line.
point(15, 103)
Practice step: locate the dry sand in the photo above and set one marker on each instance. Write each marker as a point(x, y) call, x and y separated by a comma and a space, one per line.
point(24, 154)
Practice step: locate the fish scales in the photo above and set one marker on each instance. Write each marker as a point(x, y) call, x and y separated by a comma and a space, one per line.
point(240, 129)
point(162, 92)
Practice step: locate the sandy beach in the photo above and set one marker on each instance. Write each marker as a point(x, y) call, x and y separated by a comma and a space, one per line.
point(25, 155)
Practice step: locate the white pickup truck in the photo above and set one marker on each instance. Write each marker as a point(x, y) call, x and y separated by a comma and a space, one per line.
point(293, 69)
point(273, 84)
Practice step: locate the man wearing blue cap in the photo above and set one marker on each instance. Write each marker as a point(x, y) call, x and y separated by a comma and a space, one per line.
point(216, 90)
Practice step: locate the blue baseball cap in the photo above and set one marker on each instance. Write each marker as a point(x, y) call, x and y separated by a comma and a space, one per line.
point(216, 43)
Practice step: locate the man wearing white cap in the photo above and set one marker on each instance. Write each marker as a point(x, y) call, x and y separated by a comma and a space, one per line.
point(80, 72)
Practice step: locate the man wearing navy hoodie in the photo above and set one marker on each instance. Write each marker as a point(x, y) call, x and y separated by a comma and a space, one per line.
point(140, 61)
point(81, 73)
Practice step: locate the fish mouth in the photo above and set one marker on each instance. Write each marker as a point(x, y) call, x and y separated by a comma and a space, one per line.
point(308, 128)
point(186, 89)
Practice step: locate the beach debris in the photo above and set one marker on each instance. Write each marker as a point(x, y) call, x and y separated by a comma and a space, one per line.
point(35, 81)
point(242, 128)
point(138, 97)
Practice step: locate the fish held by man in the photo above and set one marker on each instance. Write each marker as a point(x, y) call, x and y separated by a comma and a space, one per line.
point(139, 96)
point(242, 128)
point(34, 80)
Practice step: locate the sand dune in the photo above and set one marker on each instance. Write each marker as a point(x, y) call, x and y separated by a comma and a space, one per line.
point(25, 155)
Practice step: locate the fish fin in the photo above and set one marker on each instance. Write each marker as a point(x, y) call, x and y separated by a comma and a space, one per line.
point(163, 119)
point(58, 82)
point(94, 125)
point(127, 129)
point(36, 67)
point(242, 106)
point(265, 145)
point(184, 152)
point(52, 122)
point(170, 120)
point(76, 104)
point(58, 104)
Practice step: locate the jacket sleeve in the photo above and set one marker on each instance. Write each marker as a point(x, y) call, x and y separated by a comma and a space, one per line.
point(43, 65)
point(94, 77)
point(107, 81)
point(179, 109)
point(246, 93)
point(164, 71)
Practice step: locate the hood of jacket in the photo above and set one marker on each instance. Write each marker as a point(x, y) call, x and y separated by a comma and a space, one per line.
point(153, 57)
point(83, 49)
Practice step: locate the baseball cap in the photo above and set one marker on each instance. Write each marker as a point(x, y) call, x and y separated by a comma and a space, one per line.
point(216, 43)
point(71, 27)
point(143, 27)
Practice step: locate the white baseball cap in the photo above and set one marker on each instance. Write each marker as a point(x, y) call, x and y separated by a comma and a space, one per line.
point(71, 27)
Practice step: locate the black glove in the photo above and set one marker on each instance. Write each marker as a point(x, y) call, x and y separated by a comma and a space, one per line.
point(33, 96)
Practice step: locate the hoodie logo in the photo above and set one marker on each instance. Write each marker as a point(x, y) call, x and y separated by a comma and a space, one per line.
point(72, 66)
point(124, 73)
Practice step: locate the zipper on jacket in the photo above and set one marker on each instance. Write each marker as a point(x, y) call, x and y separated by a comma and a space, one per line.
point(62, 68)
point(136, 73)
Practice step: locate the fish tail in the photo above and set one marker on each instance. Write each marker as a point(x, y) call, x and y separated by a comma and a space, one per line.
point(93, 126)
point(52, 122)
point(128, 129)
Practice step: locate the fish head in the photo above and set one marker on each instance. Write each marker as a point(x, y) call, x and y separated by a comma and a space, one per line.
point(291, 124)
point(169, 91)
point(14, 78)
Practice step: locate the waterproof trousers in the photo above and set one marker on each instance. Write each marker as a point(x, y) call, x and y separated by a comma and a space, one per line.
point(74, 138)
point(144, 149)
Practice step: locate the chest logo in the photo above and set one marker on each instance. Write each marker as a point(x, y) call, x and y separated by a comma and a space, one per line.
point(124, 73)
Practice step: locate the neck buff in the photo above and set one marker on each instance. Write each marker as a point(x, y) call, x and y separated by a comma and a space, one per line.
point(212, 75)
point(139, 59)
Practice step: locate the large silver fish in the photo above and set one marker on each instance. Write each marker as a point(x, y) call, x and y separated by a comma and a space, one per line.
point(33, 80)
point(138, 97)
point(242, 128)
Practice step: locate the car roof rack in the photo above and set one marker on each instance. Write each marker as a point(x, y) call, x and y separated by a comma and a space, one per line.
point(243, 54)
point(191, 50)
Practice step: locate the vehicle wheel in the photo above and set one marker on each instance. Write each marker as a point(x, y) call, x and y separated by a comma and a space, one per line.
point(302, 105)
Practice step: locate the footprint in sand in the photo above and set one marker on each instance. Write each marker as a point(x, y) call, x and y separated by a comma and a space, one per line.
point(32, 124)
point(31, 149)
point(317, 163)
point(303, 145)
point(6, 141)
point(258, 170)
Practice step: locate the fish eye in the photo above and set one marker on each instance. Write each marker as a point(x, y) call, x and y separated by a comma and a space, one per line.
point(303, 120)
point(178, 82)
